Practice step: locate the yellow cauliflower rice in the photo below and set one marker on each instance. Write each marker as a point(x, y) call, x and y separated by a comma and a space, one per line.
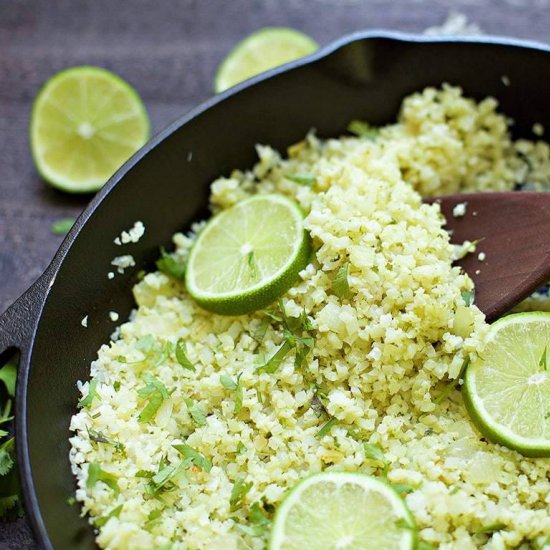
point(182, 443)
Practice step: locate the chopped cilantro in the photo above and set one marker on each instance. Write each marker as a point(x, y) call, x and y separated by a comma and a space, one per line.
point(403, 488)
point(363, 129)
point(326, 428)
point(302, 179)
point(171, 265)
point(259, 522)
point(491, 528)
point(454, 383)
point(8, 375)
point(181, 355)
point(153, 518)
point(85, 402)
point(422, 545)
point(276, 359)
point(155, 393)
point(239, 491)
point(62, 226)
point(340, 284)
point(241, 448)
point(166, 473)
point(197, 414)
point(374, 452)
point(114, 513)
point(467, 296)
point(229, 384)
point(198, 459)
point(116, 386)
point(95, 474)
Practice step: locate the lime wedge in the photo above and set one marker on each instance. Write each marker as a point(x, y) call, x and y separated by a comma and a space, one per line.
point(341, 510)
point(507, 389)
point(261, 51)
point(85, 123)
point(248, 255)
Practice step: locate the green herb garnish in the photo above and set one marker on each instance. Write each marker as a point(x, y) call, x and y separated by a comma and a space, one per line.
point(373, 452)
point(239, 491)
point(170, 265)
point(491, 528)
point(230, 384)
point(363, 129)
point(260, 523)
point(302, 179)
point(197, 414)
point(181, 355)
point(95, 474)
point(241, 448)
point(467, 297)
point(114, 513)
point(155, 393)
point(162, 480)
point(340, 283)
point(62, 226)
point(453, 384)
point(85, 402)
point(326, 428)
point(198, 459)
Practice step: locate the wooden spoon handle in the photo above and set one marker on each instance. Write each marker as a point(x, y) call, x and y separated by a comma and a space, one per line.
point(513, 230)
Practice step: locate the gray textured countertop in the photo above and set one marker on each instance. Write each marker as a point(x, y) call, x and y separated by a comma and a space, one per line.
point(169, 51)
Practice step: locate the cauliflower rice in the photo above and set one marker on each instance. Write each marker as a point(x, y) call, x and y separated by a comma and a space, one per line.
point(374, 393)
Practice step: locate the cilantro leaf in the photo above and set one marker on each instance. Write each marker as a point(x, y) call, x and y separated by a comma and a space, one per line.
point(492, 527)
point(302, 179)
point(155, 393)
point(260, 523)
point(6, 458)
point(374, 452)
point(276, 359)
point(238, 492)
point(197, 414)
point(241, 448)
point(363, 129)
point(62, 226)
point(114, 513)
point(467, 296)
point(340, 284)
point(198, 459)
point(166, 473)
point(8, 374)
point(181, 355)
point(95, 474)
point(85, 402)
point(403, 488)
point(171, 266)
point(453, 384)
point(326, 428)
point(229, 384)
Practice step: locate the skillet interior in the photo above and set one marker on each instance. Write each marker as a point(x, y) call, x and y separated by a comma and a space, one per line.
point(366, 78)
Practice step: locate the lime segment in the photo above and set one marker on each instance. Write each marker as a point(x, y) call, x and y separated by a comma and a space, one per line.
point(248, 255)
point(85, 123)
point(341, 510)
point(261, 51)
point(507, 389)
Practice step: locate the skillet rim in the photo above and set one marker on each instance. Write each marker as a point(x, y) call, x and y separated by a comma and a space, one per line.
point(34, 299)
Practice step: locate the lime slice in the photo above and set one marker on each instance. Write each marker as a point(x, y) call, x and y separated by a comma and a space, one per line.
point(85, 123)
point(341, 510)
point(507, 389)
point(248, 255)
point(261, 51)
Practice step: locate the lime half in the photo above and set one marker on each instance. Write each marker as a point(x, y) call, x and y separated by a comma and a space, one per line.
point(340, 510)
point(85, 123)
point(248, 255)
point(261, 51)
point(507, 389)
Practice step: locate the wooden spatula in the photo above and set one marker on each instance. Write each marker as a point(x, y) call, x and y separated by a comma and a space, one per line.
point(513, 230)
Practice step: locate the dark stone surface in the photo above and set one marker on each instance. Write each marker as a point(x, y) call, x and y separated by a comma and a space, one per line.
point(169, 51)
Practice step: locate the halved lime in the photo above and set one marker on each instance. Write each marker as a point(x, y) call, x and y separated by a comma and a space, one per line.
point(85, 123)
point(248, 255)
point(343, 510)
point(261, 51)
point(507, 389)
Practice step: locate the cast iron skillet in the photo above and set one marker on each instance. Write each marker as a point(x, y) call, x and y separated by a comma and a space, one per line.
point(365, 76)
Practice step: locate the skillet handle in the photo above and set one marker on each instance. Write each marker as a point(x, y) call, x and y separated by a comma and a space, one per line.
point(18, 322)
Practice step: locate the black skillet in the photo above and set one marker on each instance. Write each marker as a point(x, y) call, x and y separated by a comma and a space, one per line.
point(165, 185)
